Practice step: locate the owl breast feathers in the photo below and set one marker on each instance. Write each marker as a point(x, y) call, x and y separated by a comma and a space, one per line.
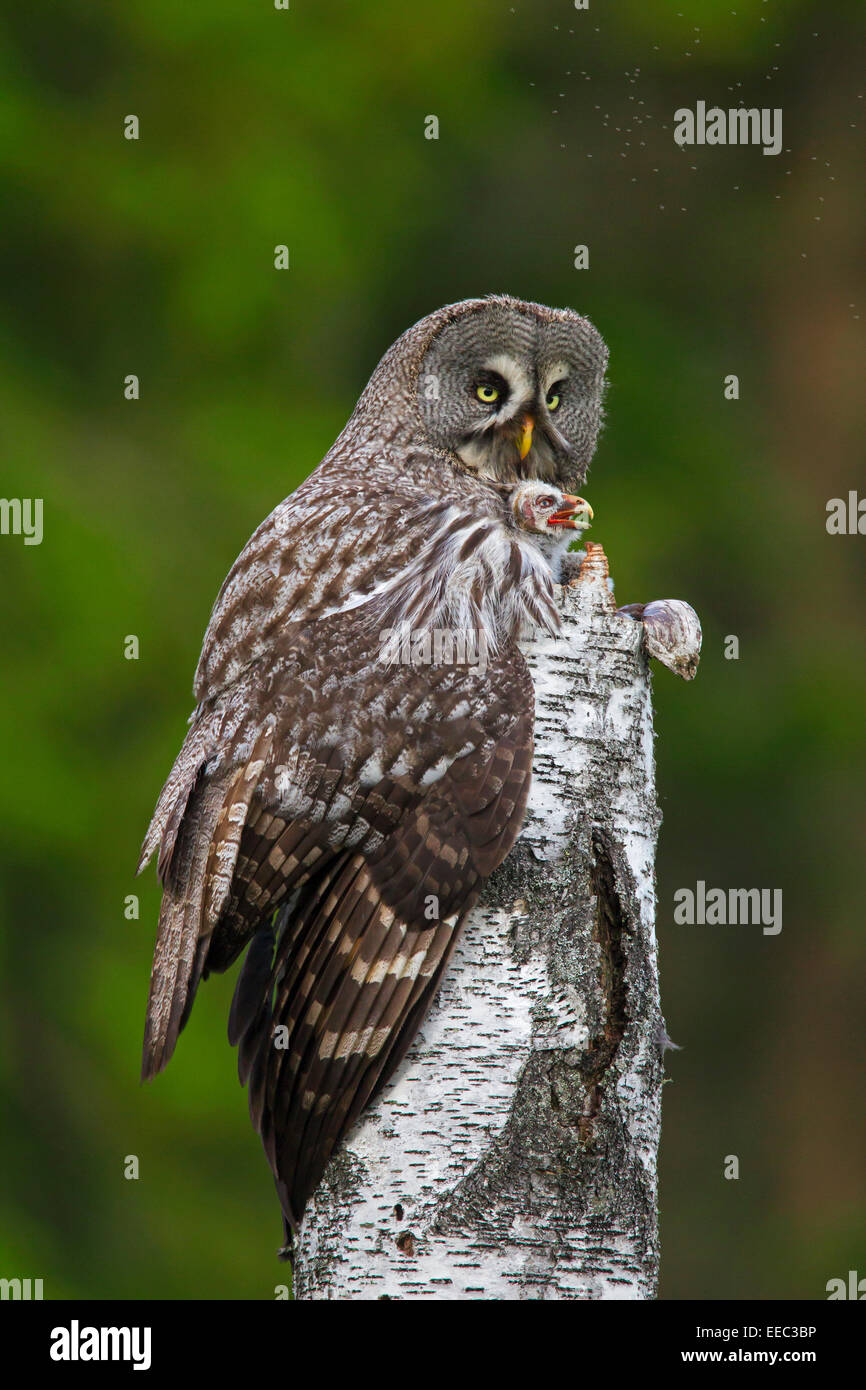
point(345, 789)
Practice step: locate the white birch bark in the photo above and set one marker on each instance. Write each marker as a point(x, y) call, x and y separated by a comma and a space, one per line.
point(513, 1155)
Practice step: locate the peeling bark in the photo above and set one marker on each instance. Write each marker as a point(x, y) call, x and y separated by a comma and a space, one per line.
point(513, 1156)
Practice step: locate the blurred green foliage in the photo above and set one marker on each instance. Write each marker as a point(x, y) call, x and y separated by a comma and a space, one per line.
point(305, 127)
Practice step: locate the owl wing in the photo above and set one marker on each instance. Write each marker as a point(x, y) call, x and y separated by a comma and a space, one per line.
point(361, 956)
point(372, 803)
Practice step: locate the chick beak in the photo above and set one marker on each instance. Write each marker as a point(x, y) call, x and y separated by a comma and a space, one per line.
point(525, 442)
point(575, 514)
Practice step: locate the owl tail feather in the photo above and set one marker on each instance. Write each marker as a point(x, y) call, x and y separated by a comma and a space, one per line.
point(173, 961)
point(205, 836)
point(183, 933)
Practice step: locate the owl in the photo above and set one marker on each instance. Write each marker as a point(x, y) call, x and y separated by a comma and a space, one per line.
point(341, 797)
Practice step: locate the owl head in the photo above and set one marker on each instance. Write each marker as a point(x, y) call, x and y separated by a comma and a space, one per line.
point(512, 390)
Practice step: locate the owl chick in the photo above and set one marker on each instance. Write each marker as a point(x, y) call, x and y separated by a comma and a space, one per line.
point(549, 516)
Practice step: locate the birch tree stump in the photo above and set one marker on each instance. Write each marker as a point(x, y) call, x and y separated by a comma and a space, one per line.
point(513, 1155)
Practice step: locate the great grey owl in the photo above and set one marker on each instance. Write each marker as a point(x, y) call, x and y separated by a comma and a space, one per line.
point(341, 797)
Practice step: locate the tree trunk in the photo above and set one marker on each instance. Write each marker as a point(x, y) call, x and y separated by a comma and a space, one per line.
point(513, 1156)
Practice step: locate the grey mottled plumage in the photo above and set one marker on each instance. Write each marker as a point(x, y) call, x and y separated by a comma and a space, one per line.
point(333, 804)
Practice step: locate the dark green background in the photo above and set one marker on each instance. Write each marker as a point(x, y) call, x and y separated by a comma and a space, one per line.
point(260, 127)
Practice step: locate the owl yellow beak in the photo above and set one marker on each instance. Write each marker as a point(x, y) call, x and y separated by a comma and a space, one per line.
point(525, 441)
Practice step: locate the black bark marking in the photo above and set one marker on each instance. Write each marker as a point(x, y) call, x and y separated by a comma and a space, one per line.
point(612, 924)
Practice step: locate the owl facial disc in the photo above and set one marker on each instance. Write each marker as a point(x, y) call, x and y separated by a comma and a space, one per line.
point(513, 391)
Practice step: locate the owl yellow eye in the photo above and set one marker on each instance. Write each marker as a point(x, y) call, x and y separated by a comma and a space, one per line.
point(553, 399)
point(487, 394)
